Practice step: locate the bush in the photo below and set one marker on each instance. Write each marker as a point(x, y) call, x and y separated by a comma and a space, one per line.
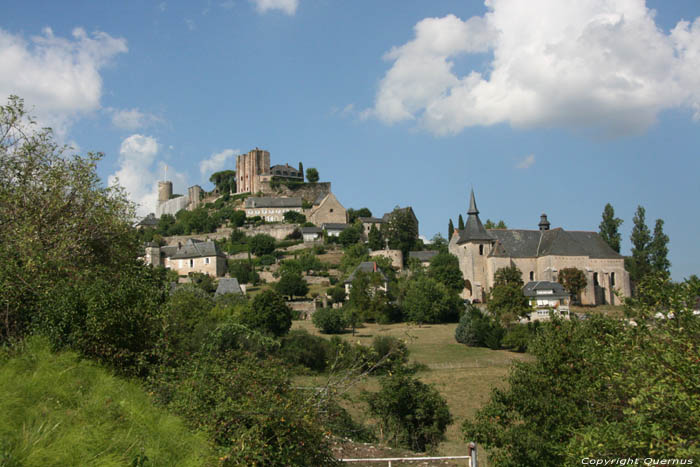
point(517, 338)
point(292, 285)
point(267, 260)
point(269, 313)
point(261, 244)
point(478, 330)
point(430, 301)
point(329, 320)
point(411, 413)
point(391, 354)
point(300, 348)
point(337, 294)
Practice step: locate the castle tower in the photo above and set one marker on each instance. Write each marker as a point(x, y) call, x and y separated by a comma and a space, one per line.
point(165, 191)
point(249, 167)
point(194, 194)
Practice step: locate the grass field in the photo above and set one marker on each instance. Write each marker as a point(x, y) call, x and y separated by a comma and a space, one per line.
point(463, 375)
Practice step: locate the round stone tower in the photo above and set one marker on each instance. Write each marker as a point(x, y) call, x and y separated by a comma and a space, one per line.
point(165, 191)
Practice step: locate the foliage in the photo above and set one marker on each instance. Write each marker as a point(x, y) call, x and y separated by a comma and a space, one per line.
point(391, 354)
point(450, 230)
point(337, 294)
point(292, 285)
point(410, 413)
point(460, 224)
point(243, 271)
point(658, 249)
point(639, 264)
point(299, 348)
point(489, 224)
point(401, 231)
point(609, 228)
point(312, 175)
point(60, 409)
point(518, 337)
point(430, 301)
point(269, 313)
point(444, 267)
point(261, 244)
point(329, 320)
point(354, 214)
point(508, 275)
point(309, 262)
point(203, 281)
point(573, 280)
point(602, 388)
point(293, 217)
point(438, 243)
point(350, 236)
point(375, 238)
point(225, 181)
point(187, 322)
point(353, 256)
point(476, 329)
point(57, 220)
point(508, 303)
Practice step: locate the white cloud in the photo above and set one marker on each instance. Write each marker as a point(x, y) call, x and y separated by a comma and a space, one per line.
point(287, 6)
point(58, 77)
point(217, 161)
point(526, 163)
point(132, 119)
point(602, 65)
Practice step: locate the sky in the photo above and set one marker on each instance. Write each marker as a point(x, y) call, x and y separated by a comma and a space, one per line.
point(544, 106)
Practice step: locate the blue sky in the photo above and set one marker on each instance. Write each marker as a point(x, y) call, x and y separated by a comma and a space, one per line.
point(540, 106)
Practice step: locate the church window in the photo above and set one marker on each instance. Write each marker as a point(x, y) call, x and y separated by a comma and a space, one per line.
point(532, 275)
point(612, 278)
point(481, 249)
point(595, 279)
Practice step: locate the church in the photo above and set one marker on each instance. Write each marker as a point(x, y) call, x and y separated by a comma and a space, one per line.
point(539, 254)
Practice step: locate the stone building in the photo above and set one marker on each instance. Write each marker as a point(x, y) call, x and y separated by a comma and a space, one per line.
point(327, 209)
point(192, 256)
point(539, 254)
point(166, 204)
point(249, 167)
point(271, 209)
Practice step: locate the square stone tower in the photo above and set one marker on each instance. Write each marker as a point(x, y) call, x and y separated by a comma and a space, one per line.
point(249, 167)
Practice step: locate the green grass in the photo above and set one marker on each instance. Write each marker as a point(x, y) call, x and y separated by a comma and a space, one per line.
point(464, 375)
point(60, 410)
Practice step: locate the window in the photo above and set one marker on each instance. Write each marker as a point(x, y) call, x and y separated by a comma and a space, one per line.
point(532, 275)
point(191, 263)
point(595, 279)
point(612, 279)
point(206, 260)
point(481, 249)
point(331, 209)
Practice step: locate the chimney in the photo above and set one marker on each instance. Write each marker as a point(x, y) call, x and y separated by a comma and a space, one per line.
point(375, 266)
point(544, 223)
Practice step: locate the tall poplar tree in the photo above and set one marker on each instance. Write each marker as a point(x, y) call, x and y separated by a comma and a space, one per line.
point(609, 228)
point(658, 249)
point(639, 264)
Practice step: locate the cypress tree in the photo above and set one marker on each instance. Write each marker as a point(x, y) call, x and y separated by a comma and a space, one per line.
point(609, 228)
point(658, 249)
point(461, 222)
point(450, 230)
point(639, 265)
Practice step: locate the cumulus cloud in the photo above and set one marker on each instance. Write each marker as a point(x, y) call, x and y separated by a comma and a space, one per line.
point(287, 6)
point(602, 65)
point(58, 77)
point(132, 119)
point(526, 163)
point(139, 172)
point(216, 161)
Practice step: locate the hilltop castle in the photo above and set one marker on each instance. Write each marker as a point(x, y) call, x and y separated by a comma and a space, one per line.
point(253, 170)
point(539, 254)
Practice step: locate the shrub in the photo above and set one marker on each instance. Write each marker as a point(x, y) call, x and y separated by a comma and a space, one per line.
point(267, 260)
point(261, 244)
point(292, 285)
point(329, 320)
point(269, 313)
point(478, 330)
point(302, 349)
point(430, 301)
point(517, 338)
point(391, 353)
point(411, 413)
point(337, 294)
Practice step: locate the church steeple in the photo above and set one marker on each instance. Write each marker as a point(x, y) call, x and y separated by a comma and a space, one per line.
point(472, 205)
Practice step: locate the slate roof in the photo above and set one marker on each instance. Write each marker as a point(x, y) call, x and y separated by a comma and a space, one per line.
point(334, 226)
point(423, 256)
point(279, 168)
point(319, 198)
point(310, 230)
point(473, 230)
point(372, 220)
point(228, 285)
point(555, 242)
point(366, 266)
point(530, 289)
point(269, 202)
point(196, 249)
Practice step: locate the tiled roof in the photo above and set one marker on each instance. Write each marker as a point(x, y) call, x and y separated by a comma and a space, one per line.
point(309, 230)
point(555, 242)
point(228, 285)
point(269, 202)
point(334, 226)
point(423, 256)
point(368, 267)
point(371, 220)
point(531, 288)
point(196, 249)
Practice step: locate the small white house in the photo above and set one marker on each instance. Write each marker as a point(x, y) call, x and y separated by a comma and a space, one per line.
point(546, 298)
point(311, 234)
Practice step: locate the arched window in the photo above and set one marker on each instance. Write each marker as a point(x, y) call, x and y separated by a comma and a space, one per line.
point(481, 249)
point(532, 275)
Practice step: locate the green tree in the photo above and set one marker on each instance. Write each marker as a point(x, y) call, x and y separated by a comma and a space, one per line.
point(639, 264)
point(450, 230)
point(337, 294)
point(349, 236)
point(354, 214)
point(401, 231)
point(444, 267)
point(461, 223)
point(292, 285)
point(261, 244)
point(476, 329)
point(376, 239)
point(58, 221)
point(411, 414)
point(508, 275)
point(268, 312)
point(430, 301)
point(225, 181)
point(312, 175)
point(609, 228)
point(293, 217)
point(301, 171)
point(507, 303)
point(489, 224)
point(438, 243)
point(658, 249)
point(329, 320)
point(573, 280)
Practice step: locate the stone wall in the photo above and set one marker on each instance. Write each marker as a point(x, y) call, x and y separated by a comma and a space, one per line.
point(396, 257)
point(221, 232)
point(278, 231)
point(305, 308)
point(308, 192)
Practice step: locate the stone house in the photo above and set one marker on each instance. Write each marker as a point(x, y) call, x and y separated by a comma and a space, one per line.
point(367, 223)
point(327, 209)
point(333, 229)
point(192, 256)
point(539, 254)
point(423, 256)
point(546, 297)
point(311, 234)
point(271, 209)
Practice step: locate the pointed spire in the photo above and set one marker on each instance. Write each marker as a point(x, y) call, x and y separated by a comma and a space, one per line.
point(472, 205)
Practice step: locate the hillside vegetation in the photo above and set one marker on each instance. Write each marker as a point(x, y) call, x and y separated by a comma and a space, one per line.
point(59, 409)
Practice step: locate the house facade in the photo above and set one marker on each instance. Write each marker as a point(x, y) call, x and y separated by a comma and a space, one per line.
point(540, 255)
point(192, 256)
point(271, 209)
point(327, 209)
